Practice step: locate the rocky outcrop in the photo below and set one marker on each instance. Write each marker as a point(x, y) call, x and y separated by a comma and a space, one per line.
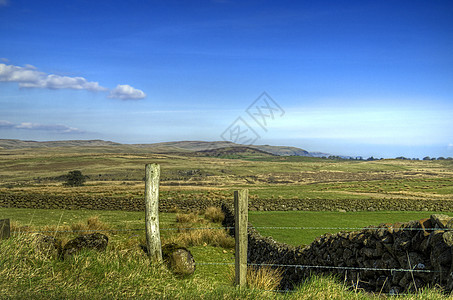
point(389, 258)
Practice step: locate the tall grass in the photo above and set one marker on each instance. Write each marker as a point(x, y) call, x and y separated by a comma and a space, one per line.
point(124, 271)
point(214, 214)
point(189, 236)
point(260, 278)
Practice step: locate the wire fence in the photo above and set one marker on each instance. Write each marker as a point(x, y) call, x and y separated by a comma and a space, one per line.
point(226, 227)
point(416, 269)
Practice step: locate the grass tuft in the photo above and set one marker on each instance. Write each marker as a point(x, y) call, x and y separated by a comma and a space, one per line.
point(92, 223)
point(214, 214)
point(188, 237)
point(260, 278)
point(188, 219)
point(202, 237)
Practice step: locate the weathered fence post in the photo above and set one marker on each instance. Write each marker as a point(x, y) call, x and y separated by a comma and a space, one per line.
point(240, 234)
point(4, 229)
point(152, 174)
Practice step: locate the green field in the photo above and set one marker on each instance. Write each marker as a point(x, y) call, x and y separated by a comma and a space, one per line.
point(123, 271)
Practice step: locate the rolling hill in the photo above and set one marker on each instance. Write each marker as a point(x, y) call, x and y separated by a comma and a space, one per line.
point(165, 147)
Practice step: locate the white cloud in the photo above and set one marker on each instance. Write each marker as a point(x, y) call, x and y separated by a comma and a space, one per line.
point(126, 92)
point(57, 128)
point(30, 77)
point(4, 3)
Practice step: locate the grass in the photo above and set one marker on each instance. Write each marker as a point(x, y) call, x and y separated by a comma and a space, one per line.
point(124, 271)
point(189, 236)
point(116, 219)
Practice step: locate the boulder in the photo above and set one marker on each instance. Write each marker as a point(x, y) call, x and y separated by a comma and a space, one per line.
point(94, 241)
point(178, 259)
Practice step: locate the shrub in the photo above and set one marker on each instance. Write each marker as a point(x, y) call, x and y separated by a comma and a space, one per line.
point(75, 178)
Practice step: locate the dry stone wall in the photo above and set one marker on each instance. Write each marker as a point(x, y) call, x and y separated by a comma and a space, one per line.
point(423, 246)
point(73, 201)
point(47, 201)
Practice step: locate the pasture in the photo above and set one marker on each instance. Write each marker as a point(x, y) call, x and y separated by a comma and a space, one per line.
point(123, 271)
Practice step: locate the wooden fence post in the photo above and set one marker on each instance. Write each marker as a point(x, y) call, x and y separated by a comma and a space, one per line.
point(4, 229)
point(240, 234)
point(152, 174)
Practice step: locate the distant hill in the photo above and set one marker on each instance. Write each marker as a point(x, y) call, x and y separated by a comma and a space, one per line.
point(166, 147)
point(185, 146)
point(235, 152)
point(201, 146)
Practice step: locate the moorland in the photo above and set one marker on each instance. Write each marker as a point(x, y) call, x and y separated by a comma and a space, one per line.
point(198, 171)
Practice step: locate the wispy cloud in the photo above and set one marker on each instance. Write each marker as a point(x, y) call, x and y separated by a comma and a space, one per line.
point(126, 92)
point(56, 128)
point(30, 77)
point(4, 3)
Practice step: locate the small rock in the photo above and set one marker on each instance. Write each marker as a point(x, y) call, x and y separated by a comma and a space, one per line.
point(47, 245)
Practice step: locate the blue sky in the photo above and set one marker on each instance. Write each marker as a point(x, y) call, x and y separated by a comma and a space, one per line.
point(349, 77)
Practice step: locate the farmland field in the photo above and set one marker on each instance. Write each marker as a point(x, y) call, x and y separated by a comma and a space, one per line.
point(118, 172)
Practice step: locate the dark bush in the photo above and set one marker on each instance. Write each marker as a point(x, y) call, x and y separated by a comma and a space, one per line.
point(75, 178)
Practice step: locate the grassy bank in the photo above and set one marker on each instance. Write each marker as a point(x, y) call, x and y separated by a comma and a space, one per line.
point(124, 271)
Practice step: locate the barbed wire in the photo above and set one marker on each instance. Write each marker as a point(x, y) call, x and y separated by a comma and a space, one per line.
point(214, 263)
point(391, 270)
point(121, 230)
point(352, 228)
point(250, 227)
point(346, 268)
